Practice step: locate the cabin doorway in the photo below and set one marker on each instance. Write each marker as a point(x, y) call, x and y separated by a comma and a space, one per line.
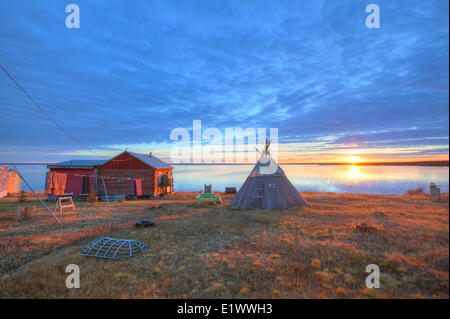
point(85, 187)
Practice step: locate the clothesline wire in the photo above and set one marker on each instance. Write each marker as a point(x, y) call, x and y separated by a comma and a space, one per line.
point(40, 124)
point(62, 129)
point(105, 176)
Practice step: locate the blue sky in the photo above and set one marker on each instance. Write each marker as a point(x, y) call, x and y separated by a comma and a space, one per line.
point(135, 70)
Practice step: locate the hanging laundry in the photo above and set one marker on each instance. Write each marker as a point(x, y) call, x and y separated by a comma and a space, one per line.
point(55, 183)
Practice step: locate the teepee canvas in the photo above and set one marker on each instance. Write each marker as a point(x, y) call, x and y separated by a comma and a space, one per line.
point(267, 187)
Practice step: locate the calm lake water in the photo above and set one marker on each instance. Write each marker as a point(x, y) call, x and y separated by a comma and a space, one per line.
point(319, 178)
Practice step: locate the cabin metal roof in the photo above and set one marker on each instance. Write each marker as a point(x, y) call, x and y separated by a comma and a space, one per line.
point(150, 161)
point(77, 164)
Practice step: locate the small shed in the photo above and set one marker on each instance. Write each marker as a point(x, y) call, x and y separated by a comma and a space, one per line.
point(135, 174)
point(81, 175)
point(10, 181)
point(4, 181)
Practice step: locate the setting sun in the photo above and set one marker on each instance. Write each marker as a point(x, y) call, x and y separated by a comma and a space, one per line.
point(353, 159)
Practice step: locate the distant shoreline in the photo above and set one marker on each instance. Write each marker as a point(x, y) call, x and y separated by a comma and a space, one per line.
point(418, 163)
point(422, 163)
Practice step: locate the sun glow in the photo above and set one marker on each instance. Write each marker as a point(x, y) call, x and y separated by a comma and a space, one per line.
point(353, 159)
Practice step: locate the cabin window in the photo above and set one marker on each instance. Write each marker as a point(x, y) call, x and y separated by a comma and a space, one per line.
point(272, 186)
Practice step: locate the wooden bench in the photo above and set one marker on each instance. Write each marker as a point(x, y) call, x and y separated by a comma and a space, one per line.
point(61, 203)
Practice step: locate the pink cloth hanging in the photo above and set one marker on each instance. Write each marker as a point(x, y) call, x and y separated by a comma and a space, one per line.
point(138, 187)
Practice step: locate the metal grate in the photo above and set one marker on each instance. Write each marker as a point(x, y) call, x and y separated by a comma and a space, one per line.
point(112, 248)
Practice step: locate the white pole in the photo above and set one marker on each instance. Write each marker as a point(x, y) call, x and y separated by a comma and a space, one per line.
point(106, 193)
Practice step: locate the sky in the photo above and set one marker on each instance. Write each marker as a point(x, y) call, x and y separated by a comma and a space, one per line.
point(136, 70)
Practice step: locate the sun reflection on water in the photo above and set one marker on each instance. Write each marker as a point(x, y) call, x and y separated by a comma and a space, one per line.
point(354, 173)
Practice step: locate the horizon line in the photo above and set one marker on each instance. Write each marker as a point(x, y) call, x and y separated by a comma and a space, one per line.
point(366, 163)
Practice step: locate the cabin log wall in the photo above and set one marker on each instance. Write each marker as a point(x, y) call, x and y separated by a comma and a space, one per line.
point(126, 168)
point(122, 182)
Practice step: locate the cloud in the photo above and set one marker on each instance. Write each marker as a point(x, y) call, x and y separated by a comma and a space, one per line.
point(136, 70)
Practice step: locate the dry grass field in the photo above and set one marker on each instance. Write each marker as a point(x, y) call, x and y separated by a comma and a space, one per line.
point(204, 251)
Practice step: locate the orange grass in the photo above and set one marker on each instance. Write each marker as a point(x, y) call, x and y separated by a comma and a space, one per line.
point(206, 251)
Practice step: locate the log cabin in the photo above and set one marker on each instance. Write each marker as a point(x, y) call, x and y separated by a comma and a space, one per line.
point(129, 174)
point(135, 174)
